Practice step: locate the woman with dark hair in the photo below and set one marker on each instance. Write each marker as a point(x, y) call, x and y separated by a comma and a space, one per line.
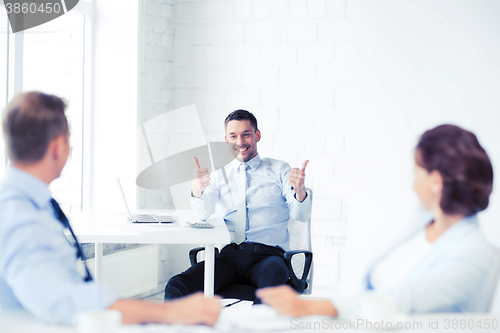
point(442, 263)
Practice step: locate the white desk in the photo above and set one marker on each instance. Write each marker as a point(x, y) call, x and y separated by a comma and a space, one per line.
point(99, 228)
point(263, 319)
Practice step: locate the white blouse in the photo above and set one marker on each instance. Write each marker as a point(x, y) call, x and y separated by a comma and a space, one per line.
point(389, 272)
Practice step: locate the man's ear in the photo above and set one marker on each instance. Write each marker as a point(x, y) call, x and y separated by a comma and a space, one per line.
point(258, 135)
point(437, 182)
point(225, 138)
point(57, 146)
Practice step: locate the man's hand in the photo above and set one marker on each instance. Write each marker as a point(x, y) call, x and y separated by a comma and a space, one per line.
point(192, 310)
point(286, 301)
point(297, 181)
point(201, 179)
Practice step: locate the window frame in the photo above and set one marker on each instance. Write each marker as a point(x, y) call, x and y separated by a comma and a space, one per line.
point(15, 60)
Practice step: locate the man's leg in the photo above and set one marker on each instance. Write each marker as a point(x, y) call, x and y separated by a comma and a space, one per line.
point(269, 271)
point(192, 280)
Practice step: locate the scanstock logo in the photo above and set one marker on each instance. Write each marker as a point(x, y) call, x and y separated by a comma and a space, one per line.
point(25, 14)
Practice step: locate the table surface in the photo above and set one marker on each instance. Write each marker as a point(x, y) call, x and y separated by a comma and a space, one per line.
point(261, 318)
point(105, 227)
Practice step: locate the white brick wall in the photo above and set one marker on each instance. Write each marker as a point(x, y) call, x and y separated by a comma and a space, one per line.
point(283, 60)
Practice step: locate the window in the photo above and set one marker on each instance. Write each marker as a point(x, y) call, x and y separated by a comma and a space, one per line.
point(53, 60)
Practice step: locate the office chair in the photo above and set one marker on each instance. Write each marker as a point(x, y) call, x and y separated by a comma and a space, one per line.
point(298, 265)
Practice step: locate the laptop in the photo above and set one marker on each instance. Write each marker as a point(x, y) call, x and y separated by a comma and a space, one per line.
point(143, 218)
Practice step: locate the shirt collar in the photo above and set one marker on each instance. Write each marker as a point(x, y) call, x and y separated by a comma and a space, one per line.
point(253, 164)
point(31, 186)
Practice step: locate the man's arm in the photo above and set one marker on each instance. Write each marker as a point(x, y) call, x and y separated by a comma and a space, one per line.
point(34, 262)
point(286, 302)
point(39, 265)
point(294, 189)
point(204, 194)
point(190, 310)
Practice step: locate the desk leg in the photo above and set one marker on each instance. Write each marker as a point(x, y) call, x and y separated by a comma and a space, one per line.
point(98, 262)
point(209, 270)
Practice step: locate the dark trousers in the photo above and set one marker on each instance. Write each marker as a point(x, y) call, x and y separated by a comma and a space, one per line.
point(248, 263)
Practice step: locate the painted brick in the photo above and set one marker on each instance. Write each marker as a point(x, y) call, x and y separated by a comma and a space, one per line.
point(207, 77)
point(290, 158)
point(345, 210)
point(320, 166)
point(260, 76)
point(243, 10)
point(322, 274)
point(289, 142)
point(202, 98)
point(270, 119)
point(327, 208)
point(207, 34)
point(160, 25)
point(245, 98)
point(167, 11)
point(335, 143)
point(266, 144)
point(212, 120)
point(261, 9)
point(333, 120)
point(296, 119)
point(334, 31)
point(315, 143)
point(315, 97)
point(201, 55)
point(316, 9)
point(157, 52)
point(279, 97)
point(336, 9)
point(243, 55)
point(279, 54)
point(330, 228)
point(298, 9)
point(210, 11)
point(152, 38)
point(262, 32)
point(167, 39)
point(279, 9)
point(299, 32)
point(153, 8)
point(321, 54)
point(297, 76)
point(328, 186)
point(326, 76)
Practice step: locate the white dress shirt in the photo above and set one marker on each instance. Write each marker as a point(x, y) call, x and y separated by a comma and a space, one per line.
point(390, 271)
point(270, 201)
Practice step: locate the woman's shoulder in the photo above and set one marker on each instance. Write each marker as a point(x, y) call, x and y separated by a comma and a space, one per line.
point(469, 243)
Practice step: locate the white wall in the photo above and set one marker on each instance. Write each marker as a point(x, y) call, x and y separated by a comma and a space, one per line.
point(350, 87)
point(417, 65)
point(115, 67)
point(285, 62)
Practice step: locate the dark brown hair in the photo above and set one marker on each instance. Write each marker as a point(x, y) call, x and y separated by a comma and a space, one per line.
point(464, 165)
point(31, 120)
point(242, 115)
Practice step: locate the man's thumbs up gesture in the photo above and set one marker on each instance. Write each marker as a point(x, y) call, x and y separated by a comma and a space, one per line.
point(297, 181)
point(201, 179)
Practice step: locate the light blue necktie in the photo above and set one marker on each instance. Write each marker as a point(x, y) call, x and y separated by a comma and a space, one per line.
point(241, 208)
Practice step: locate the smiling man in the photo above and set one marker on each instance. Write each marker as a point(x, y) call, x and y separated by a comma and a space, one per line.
point(256, 197)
